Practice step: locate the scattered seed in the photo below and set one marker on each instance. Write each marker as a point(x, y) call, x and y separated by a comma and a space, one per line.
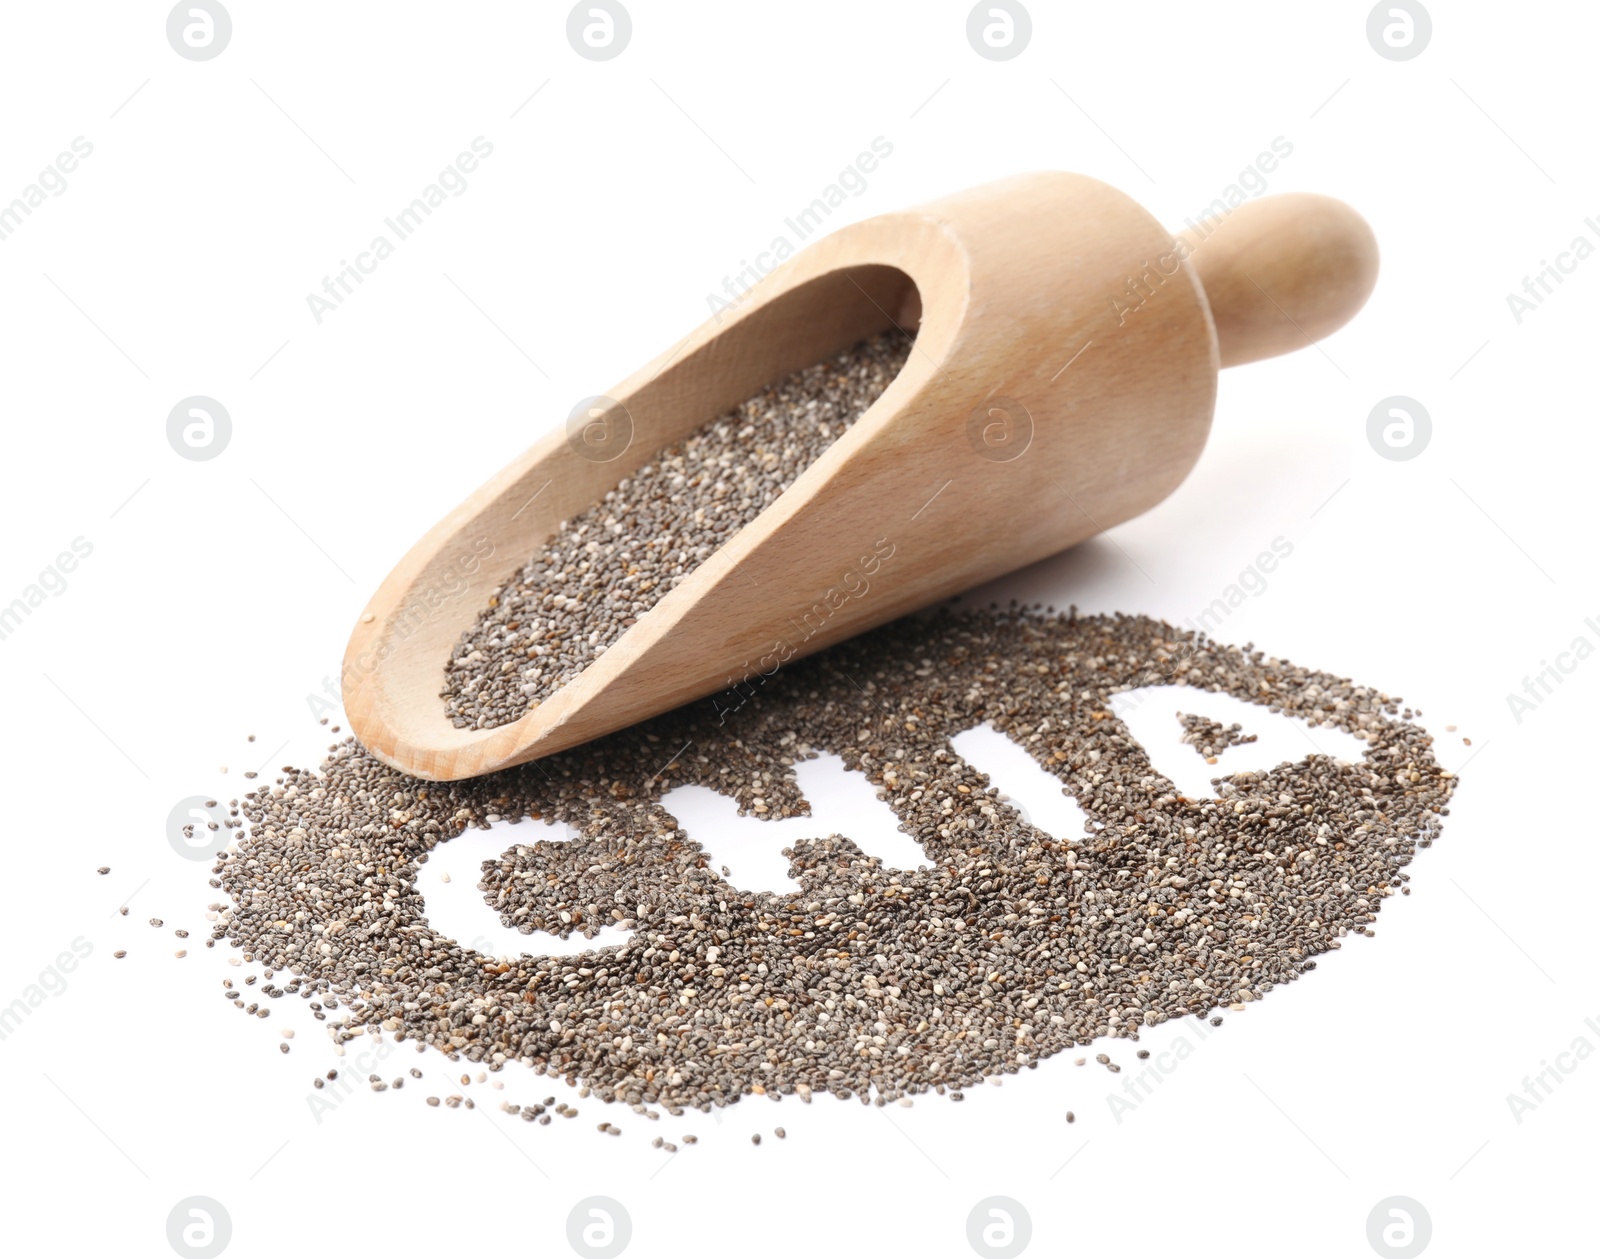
point(1169, 907)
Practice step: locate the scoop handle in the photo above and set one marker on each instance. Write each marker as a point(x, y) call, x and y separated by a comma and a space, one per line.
point(1282, 272)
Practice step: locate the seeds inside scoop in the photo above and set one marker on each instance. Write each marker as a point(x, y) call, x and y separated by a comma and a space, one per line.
point(608, 566)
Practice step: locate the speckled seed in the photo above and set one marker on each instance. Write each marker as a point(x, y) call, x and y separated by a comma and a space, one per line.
point(1168, 907)
point(609, 565)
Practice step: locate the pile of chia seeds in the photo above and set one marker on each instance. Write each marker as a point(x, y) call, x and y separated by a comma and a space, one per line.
point(879, 984)
point(607, 567)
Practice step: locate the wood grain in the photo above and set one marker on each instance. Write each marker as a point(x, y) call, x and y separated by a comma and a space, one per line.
point(1062, 381)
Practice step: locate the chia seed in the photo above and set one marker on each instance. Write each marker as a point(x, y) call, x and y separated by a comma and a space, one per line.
point(1011, 946)
point(608, 566)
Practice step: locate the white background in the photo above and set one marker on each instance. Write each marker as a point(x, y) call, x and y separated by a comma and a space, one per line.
point(219, 593)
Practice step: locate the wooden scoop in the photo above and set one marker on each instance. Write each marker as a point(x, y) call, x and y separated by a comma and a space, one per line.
point(1062, 381)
